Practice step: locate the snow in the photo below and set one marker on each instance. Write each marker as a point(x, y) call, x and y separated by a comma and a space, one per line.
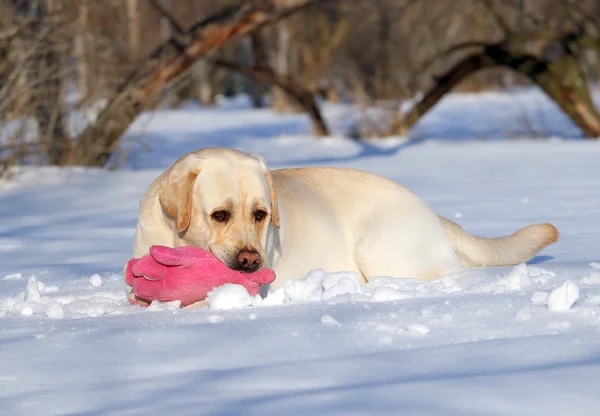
point(483, 341)
point(33, 291)
point(215, 319)
point(518, 278)
point(523, 314)
point(229, 296)
point(329, 320)
point(539, 298)
point(12, 276)
point(55, 311)
point(156, 306)
point(563, 297)
point(418, 329)
point(96, 280)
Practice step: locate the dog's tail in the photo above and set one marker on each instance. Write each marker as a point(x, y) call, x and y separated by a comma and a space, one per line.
point(516, 248)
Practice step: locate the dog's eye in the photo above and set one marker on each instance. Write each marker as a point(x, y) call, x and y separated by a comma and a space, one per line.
point(220, 216)
point(260, 215)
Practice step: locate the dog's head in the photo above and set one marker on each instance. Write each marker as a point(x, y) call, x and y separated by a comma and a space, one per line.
point(223, 200)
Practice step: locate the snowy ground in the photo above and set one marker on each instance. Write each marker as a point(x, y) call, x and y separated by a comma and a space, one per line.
point(482, 342)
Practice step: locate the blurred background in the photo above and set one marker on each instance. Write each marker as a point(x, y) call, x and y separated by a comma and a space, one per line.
point(74, 74)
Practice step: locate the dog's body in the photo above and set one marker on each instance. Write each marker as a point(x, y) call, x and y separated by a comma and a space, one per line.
point(296, 220)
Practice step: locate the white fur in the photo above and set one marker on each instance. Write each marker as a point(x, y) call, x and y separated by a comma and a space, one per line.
point(330, 218)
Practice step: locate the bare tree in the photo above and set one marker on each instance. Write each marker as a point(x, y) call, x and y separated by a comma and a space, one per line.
point(555, 68)
point(75, 73)
point(97, 142)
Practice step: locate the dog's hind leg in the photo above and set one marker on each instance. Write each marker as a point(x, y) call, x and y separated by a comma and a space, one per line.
point(411, 243)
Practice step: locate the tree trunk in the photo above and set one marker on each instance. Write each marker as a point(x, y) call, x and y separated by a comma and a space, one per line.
point(285, 62)
point(206, 92)
point(81, 46)
point(50, 107)
point(279, 99)
point(384, 63)
point(249, 84)
point(134, 30)
point(170, 97)
point(566, 84)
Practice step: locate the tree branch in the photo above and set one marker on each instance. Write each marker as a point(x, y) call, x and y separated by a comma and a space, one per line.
point(95, 145)
point(173, 22)
point(294, 89)
point(12, 32)
point(560, 79)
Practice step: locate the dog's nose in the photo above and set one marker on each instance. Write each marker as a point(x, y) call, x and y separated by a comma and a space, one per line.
point(248, 260)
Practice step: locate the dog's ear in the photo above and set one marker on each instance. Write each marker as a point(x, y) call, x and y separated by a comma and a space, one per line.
point(274, 203)
point(176, 193)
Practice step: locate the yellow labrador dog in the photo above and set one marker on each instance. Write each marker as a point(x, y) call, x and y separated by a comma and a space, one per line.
point(296, 220)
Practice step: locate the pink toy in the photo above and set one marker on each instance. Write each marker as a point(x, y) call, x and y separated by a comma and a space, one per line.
point(186, 274)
